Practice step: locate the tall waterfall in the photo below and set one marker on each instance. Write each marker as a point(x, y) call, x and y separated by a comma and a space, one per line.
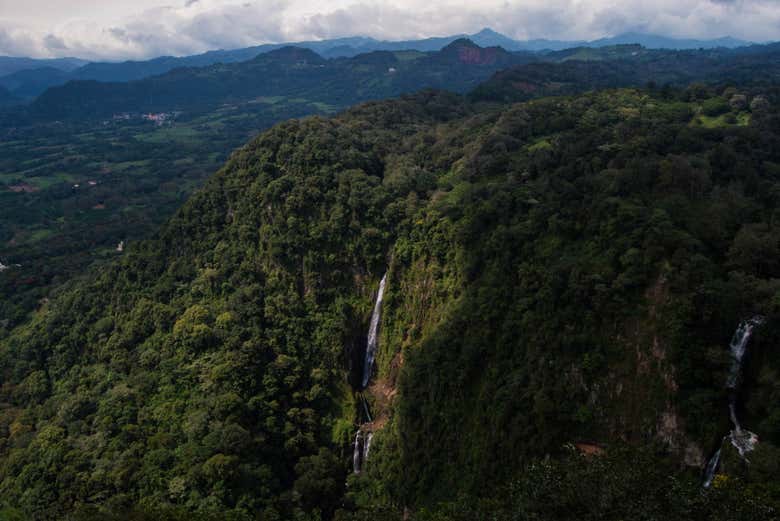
point(362, 444)
point(367, 446)
point(742, 440)
point(357, 453)
point(373, 331)
point(365, 408)
point(712, 466)
point(361, 449)
point(738, 348)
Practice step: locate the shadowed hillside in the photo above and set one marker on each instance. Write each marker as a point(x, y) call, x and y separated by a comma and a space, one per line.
point(563, 272)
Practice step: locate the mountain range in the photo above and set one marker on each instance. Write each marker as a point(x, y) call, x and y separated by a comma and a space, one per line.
point(27, 78)
point(10, 64)
point(289, 72)
point(300, 73)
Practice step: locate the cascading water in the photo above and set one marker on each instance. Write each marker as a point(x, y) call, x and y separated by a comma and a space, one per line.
point(365, 408)
point(357, 453)
point(367, 446)
point(712, 466)
point(738, 348)
point(362, 444)
point(742, 440)
point(361, 449)
point(373, 330)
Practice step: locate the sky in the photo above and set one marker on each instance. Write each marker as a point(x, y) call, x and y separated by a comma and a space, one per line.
point(139, 29)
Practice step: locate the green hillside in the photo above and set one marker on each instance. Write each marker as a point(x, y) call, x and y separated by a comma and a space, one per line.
point(563, 275)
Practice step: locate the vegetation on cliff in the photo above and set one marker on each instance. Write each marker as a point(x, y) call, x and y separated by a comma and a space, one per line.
point(563, 271)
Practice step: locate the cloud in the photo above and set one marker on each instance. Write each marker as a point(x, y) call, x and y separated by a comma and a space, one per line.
point(16, 41)
point(143, 28)
point(54, 43)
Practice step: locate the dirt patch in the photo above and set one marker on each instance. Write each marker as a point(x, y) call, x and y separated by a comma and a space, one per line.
point(383, 391)
point(589, 449)
point(477, 56)
point(657, 295)
point(524, 86)
point(23, 188)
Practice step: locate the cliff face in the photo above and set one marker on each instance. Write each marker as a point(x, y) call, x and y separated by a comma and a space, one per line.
point(539, 302)
point(566, 271)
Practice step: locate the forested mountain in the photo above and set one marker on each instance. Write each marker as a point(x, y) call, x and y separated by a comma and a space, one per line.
point(459, 67)
point(6, 98)
point(10, 64)
point(29, 83)
point(580, 69)
point(654, 41)
point(291, 72)
point(87, 168)
point(39, 74)
point(562, 275)
point(72, 190)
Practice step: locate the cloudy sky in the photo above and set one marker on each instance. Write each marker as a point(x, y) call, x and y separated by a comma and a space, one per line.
point(121, 29)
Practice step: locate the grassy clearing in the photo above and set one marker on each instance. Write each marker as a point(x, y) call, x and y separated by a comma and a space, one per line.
point(741, 119)
point(168, 134)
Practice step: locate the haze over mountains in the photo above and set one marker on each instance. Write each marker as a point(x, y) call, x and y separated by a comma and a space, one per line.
point(300, 73)
point(27, 78)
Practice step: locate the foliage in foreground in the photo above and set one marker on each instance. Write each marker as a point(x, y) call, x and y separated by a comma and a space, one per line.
point(561, 270)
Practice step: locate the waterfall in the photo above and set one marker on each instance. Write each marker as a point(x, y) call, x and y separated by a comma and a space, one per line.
point(742, 440)
point(367, 446)
point(738, 348)
point(357, 453)
point(365, 408)
point(373, 330)
point(363, 440)
point(361, 450)
point(712, 466)
point(733, 412)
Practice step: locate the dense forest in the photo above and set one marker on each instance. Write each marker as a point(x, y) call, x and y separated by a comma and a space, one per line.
point(71, 190)
point(563, 279)
point(28, 78)
point(290, 71)
point(87, 167)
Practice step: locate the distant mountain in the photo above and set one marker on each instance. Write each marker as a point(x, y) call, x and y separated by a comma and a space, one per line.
point(465, 51)
point(30, 83)
point(577, 70)
point(649, 41)
point(652, 41)
point(300, 73)
point(6, 98)
point(10, 65)
point(290, 72)
point(33, 84)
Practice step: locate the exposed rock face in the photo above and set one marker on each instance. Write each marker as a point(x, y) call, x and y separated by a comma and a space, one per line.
point(694, 456)
point(759, 104)
point(477, 56)
point(738, 102)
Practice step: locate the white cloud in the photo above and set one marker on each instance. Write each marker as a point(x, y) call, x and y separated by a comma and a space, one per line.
point(143, 28)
